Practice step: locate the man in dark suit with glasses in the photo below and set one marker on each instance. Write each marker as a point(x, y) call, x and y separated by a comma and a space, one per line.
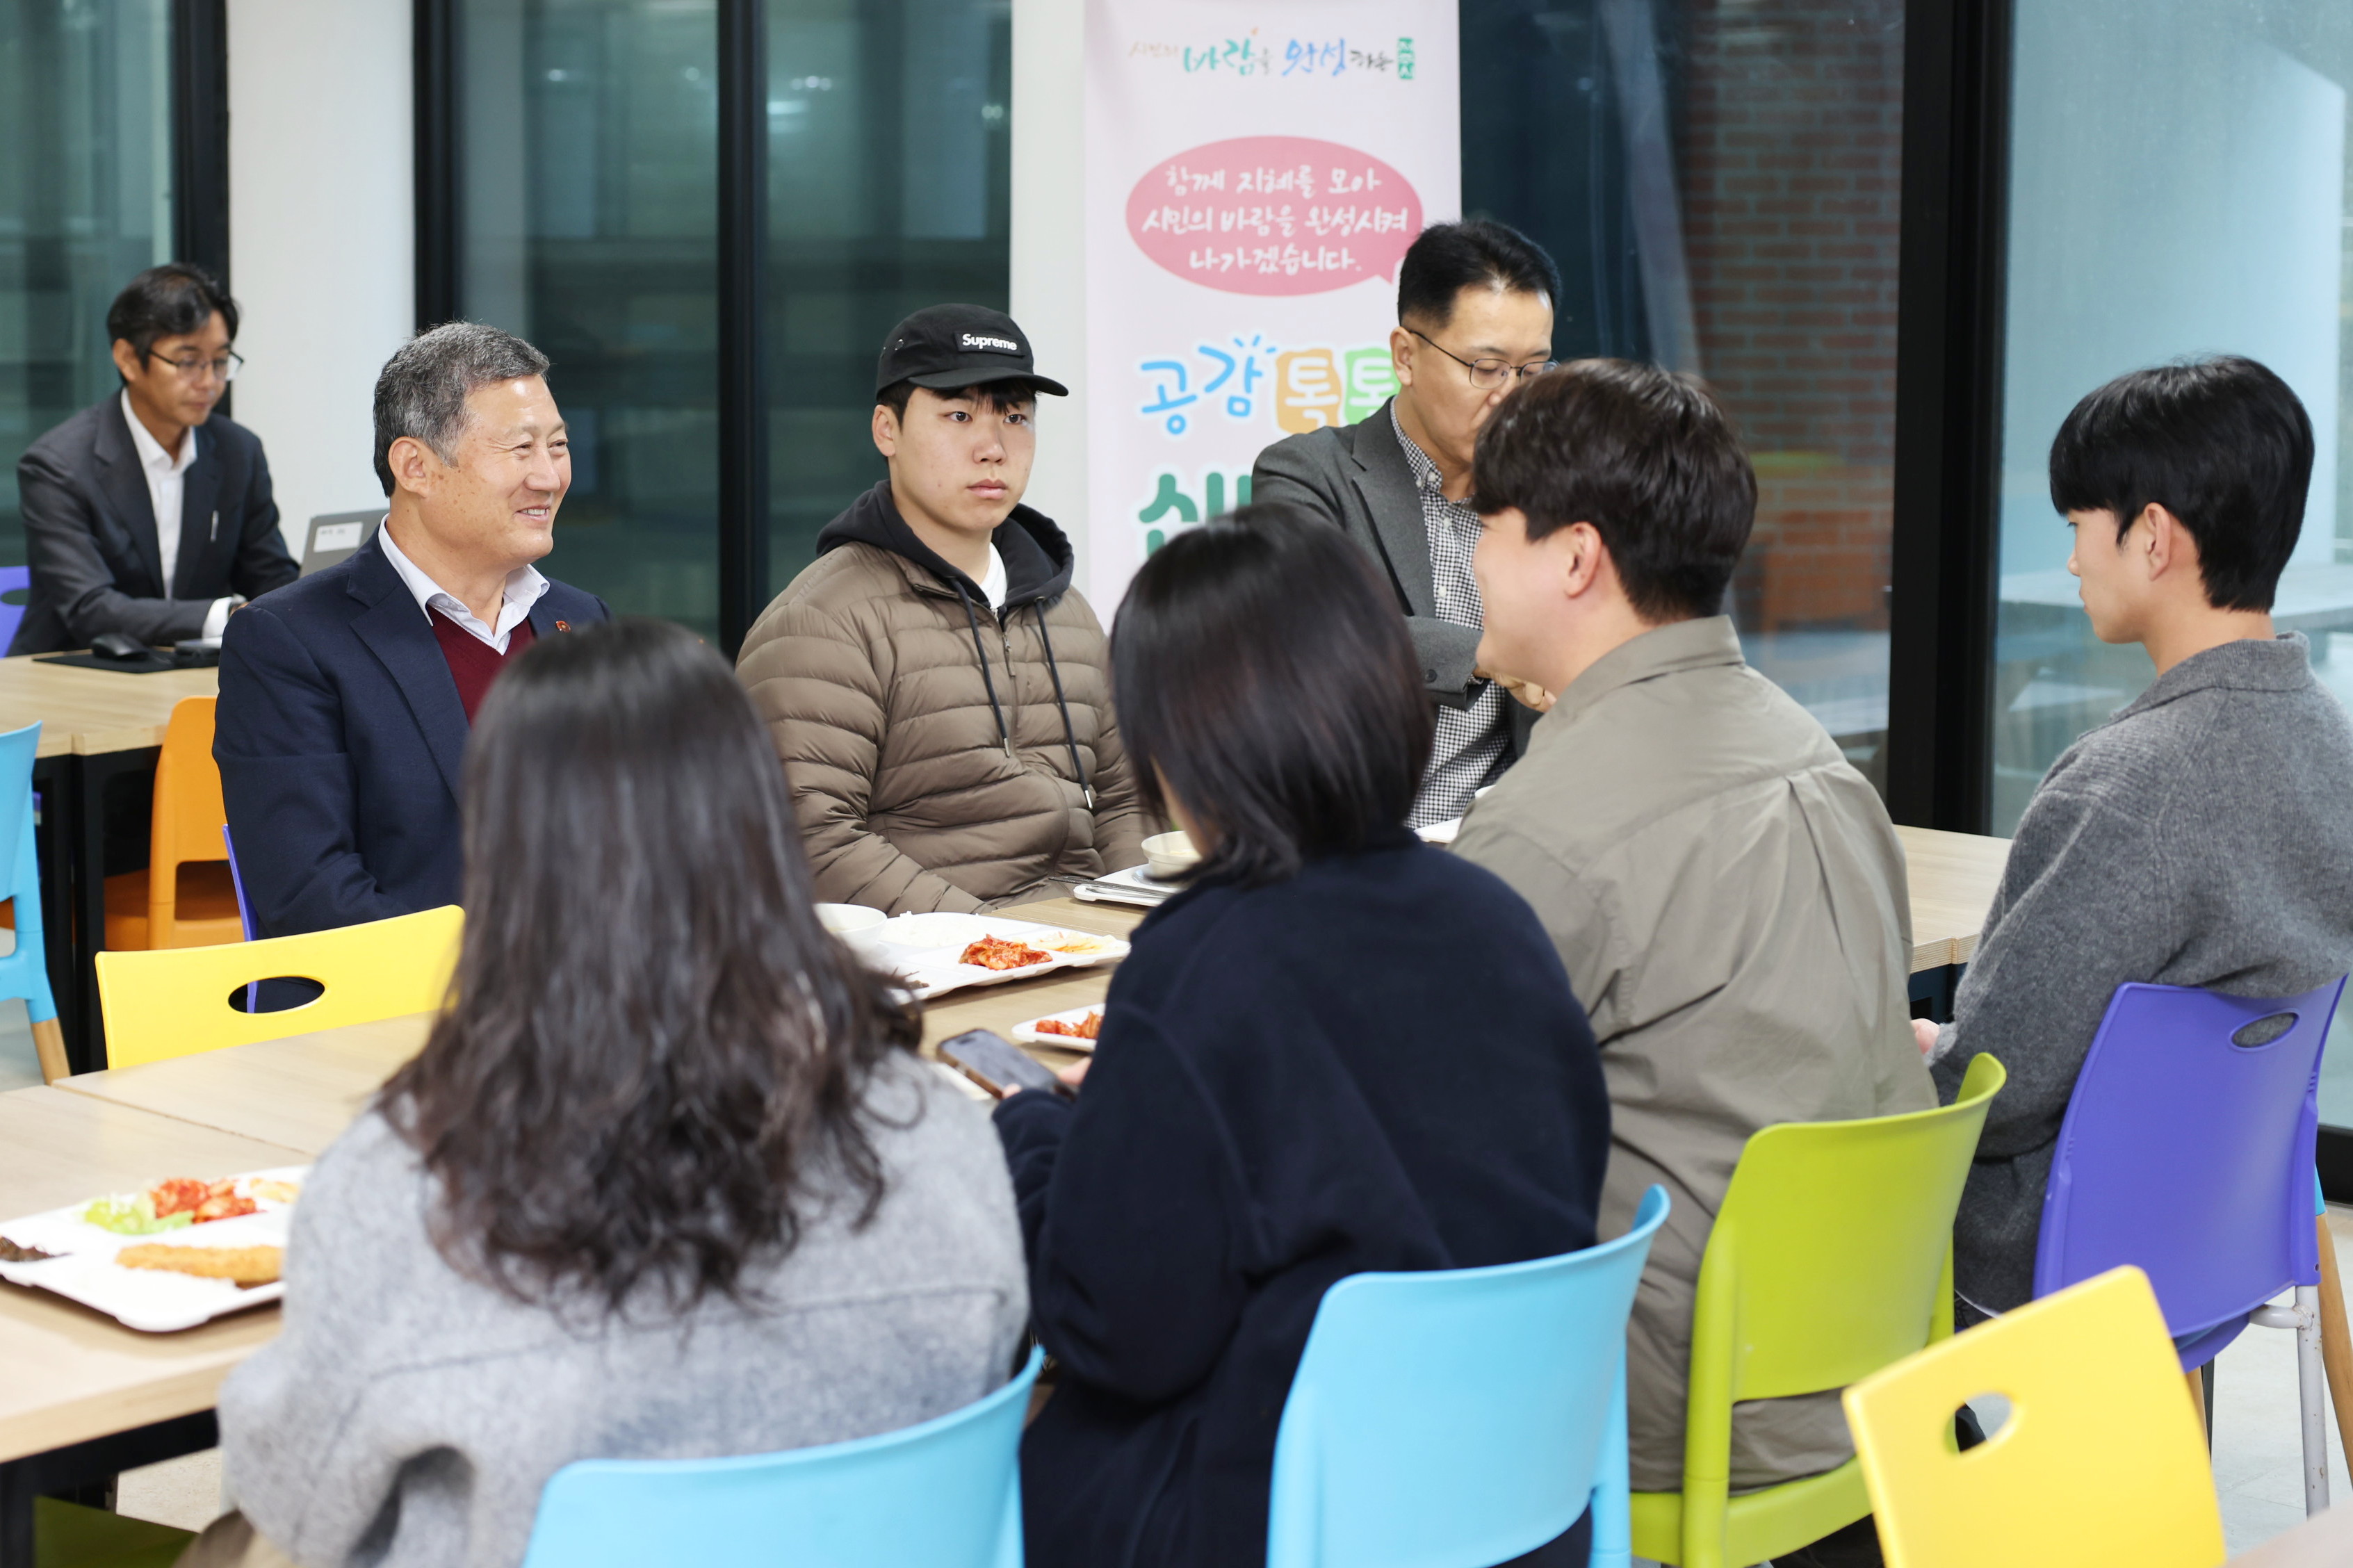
point(1474, 319)
point(149, 514)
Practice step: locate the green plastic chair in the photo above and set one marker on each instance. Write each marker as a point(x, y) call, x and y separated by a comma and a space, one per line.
point(69, 1535)
point(1831, 1258)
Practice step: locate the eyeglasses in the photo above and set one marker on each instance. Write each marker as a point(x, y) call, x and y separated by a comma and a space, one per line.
point(1487, 375)
point(226, 367)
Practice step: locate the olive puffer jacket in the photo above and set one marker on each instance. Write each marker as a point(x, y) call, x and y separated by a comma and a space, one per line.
point(941, 757)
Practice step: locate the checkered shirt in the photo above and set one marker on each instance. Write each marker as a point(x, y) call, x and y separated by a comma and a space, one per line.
point(1469, 739)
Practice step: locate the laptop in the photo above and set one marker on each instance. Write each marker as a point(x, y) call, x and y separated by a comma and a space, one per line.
point(334, 536)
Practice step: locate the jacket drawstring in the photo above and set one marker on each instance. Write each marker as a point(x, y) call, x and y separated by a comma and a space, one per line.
point(1069, 736)
point(980, 651)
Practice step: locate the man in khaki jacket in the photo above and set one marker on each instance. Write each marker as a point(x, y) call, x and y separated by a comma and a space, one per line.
point(938, 692)
point(1727, 892)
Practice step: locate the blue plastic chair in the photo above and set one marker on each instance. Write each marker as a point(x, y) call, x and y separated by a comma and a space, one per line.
point(2189, 1155)
point(1459, 1417)
point(24, 973)
point(945, 1494)
point(245, 917)
point(13, 579)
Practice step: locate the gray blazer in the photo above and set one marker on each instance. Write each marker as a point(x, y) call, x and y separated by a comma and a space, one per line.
point(1355, 477)
point(90, 534)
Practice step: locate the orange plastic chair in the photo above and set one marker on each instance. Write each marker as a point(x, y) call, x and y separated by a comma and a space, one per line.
point(185, 897)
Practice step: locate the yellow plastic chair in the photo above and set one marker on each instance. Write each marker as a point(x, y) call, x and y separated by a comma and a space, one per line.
point(2102, 1459)
point(177, 1002)
point(1830, 1258)
point(185, 897)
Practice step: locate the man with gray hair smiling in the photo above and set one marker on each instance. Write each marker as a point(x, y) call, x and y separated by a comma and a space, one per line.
point(346, 697)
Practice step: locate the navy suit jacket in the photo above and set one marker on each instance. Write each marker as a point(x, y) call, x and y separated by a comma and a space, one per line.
point(341, 739)
point(90, 534)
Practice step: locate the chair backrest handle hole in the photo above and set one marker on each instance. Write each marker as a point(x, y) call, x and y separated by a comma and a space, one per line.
point(2263, 1031)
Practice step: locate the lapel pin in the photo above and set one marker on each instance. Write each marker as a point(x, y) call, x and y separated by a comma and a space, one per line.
point(564, 626)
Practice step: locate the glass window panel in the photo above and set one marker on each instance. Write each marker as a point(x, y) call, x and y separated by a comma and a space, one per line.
point(590, 144)
point(2177, 186)
point(84, 201)
point(1718, 180)
point(889, 169)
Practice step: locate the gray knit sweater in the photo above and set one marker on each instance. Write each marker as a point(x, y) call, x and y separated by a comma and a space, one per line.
point(409, 1415)
point(2202, 836)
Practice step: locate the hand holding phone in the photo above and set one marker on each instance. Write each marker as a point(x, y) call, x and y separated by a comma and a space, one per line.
point(997, 1065)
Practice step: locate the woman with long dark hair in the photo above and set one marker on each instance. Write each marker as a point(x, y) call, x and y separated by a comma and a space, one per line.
point(668, 1178)
point(1339, 1049)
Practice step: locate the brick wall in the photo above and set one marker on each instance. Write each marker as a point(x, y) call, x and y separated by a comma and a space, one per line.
point(1791, 152)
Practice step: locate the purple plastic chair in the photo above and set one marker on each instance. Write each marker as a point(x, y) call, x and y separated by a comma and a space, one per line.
point(2186, 1151)
point(13, 579)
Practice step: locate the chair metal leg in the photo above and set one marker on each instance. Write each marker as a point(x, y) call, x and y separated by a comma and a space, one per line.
point(2311, 1401)
point(49, 1045)
point(2335, 1343)
point(2303, 1320)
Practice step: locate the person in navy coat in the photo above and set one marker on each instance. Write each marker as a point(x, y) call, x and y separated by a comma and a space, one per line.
point(1340, 1049)
point(346, 697)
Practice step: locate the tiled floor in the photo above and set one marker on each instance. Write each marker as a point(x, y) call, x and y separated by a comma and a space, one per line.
point(2258, 1455)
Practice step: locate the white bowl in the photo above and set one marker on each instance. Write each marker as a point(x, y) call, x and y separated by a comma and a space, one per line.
point(843, 919)
point(1168, 855)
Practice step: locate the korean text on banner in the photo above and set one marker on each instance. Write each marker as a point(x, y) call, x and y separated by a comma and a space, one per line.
point(1254, 173)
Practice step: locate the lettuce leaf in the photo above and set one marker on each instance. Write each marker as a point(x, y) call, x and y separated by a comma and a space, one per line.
point(135, 1216)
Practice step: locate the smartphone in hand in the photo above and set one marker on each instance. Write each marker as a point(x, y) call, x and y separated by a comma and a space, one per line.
point(997, 1065)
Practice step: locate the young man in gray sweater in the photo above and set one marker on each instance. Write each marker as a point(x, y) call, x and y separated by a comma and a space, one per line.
point(2203, 835)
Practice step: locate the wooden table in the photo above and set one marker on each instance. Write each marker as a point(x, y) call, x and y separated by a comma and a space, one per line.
point(302, 1091)
point(285, 1100)
point(100, 732)
point(81, 1397)
point(1953, 878)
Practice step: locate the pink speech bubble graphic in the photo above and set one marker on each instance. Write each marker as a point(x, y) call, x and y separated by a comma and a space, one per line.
point(1275, 214)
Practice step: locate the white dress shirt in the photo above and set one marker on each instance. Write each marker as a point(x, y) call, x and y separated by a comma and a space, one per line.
point(524, 586)
point(167, 476)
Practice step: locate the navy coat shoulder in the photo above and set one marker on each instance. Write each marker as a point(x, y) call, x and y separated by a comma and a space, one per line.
point(340, 738)
point(90, 534)
point(1376, 1065)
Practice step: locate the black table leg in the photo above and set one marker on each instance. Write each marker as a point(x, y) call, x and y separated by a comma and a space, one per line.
point(54, 783)
point(1933, 987)
point(100, 779)
point(82, 1464)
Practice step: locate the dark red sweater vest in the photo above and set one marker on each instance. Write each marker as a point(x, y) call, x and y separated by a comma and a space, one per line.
point(474, 663)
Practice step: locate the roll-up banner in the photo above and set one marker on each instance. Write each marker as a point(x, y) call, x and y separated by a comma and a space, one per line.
point(1254, 173)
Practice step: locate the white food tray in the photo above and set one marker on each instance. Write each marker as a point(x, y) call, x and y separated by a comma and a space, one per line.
point(1029, 1033)
point(151, 1300)
point(1134, 886)
point(924, 950)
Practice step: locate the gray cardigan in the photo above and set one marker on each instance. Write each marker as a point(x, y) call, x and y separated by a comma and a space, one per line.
point(2202, 836)
point(409, 1414)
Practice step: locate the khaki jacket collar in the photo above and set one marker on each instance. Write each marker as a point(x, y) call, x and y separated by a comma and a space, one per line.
point(1670, 649)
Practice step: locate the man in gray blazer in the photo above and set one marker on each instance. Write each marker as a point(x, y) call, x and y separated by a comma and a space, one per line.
point(1474, 319)
point(148, 513)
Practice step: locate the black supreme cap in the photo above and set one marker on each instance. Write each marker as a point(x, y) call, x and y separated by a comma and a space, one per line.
point(947, 346)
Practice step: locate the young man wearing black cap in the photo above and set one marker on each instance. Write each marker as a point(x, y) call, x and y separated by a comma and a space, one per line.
point(937, 690)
